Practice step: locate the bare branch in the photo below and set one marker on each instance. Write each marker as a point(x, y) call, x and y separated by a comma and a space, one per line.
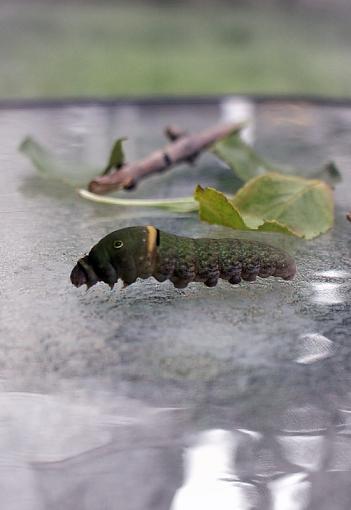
point(184, 148)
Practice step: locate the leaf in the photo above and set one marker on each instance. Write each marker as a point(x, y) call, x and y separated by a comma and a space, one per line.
point(247, 163)
point(49, 165)
point(180, 205)
point(215, 207)
point(272, 202)
point(305, 206)
point(241, 157)
point(117, 158)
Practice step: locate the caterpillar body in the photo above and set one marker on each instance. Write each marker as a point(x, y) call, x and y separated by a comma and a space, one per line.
point(141, 252)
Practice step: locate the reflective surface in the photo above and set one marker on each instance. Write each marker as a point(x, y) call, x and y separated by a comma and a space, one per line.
point(152, 397)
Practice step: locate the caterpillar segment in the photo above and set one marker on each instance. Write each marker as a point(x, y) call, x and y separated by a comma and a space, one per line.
point(141, 252)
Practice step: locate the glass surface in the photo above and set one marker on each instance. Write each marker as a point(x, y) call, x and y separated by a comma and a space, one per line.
point(152, 398)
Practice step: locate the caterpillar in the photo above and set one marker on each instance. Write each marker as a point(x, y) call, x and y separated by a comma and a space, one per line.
point(141, 252)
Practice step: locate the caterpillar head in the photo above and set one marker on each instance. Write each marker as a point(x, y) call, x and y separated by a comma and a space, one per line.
point(113, 257)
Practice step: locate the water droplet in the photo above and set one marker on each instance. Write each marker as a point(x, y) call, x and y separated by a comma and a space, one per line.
point(314, 347)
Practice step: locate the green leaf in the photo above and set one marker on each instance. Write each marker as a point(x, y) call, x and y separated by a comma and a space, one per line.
point(51, 166)
point(215, 207)
point(305, 206)
point(272, 202)
point(247, 163)
point(180, 205)
point(241, 157)
point(117, 158)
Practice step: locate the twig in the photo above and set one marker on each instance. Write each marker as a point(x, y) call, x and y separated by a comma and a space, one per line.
point(348, 216)
point(173, 133)
point(184, 148)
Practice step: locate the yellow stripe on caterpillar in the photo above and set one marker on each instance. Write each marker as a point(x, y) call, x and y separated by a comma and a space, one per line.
point(151, 240)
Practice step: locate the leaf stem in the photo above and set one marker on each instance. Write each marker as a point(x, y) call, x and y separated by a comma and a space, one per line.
point(182, 204)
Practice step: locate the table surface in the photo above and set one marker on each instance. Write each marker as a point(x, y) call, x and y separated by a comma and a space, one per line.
point(235, 397)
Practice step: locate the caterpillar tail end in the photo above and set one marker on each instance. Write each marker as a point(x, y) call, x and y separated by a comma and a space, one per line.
point(287, 270)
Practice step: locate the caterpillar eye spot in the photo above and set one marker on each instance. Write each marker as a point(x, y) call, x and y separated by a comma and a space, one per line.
point(118, 244)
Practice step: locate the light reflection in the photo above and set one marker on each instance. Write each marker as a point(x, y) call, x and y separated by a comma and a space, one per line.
point(236, 109)
point(35, 427)
point(216, 446)
point(331, 292)
point(211, 475)
point(290, 492)
point(314, 347)
point(210, 481)
point(51, 428)
point(304, 451)
point(252, 433)
point(328, 293)
point(333, 273)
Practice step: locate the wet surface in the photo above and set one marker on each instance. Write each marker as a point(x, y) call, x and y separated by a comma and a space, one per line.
point(152, 397)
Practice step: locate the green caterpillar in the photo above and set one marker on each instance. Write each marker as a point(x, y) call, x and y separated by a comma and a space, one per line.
point(141, 252)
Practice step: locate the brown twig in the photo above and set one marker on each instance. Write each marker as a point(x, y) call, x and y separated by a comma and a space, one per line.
point(173, 133)
point(348, 216)
point(184, 147)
